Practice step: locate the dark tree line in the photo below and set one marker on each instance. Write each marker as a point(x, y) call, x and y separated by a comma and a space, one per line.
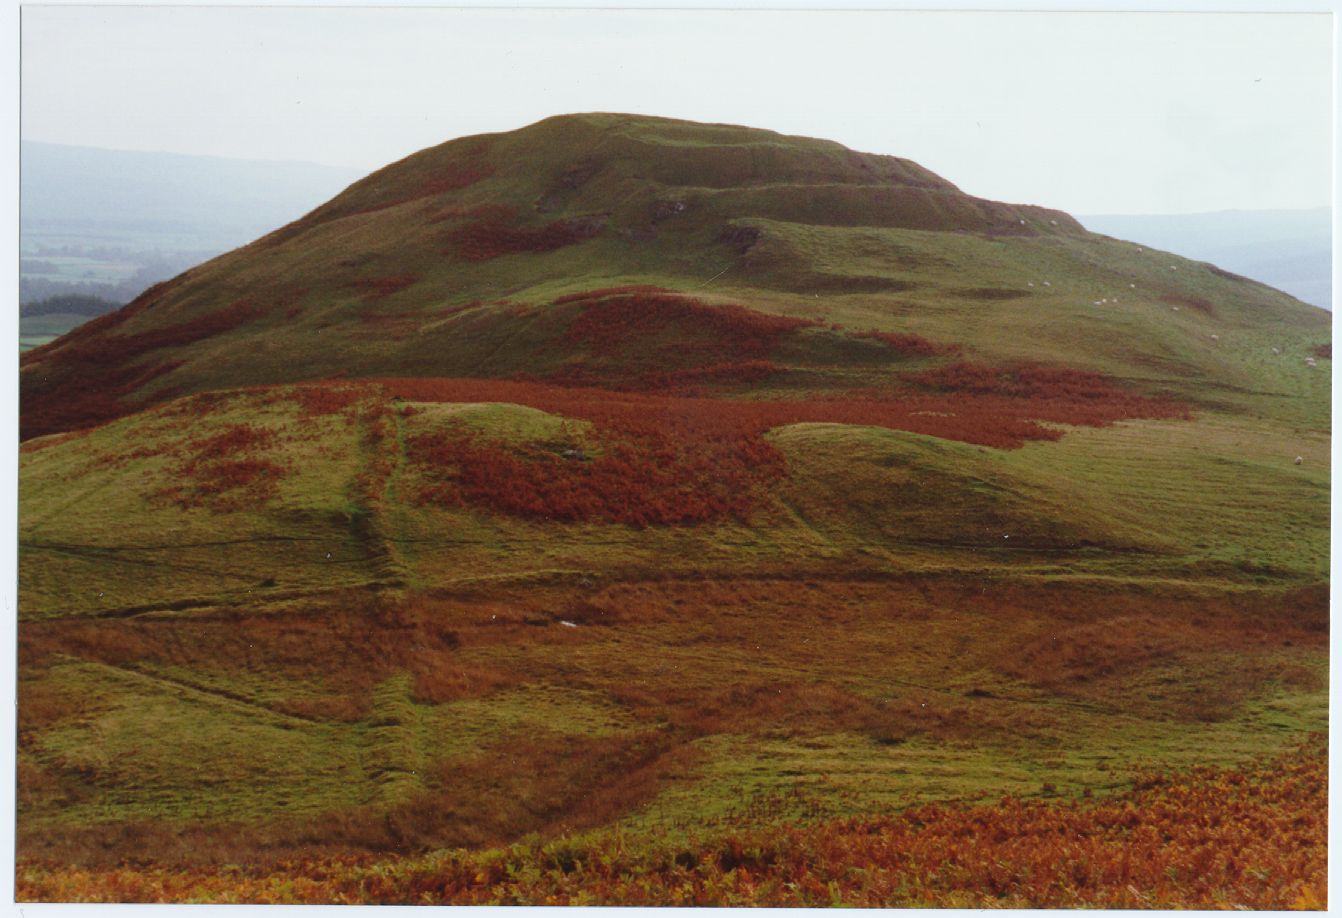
point(77, 304)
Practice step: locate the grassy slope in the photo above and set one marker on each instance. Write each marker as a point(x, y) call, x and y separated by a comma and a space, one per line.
point(891, 680)
point(329, 662)
point(1138, 500)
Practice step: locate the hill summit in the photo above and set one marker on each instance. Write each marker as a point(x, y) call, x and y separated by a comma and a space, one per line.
point(464, 260)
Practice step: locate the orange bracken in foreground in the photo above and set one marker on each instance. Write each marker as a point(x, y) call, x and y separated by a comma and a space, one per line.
point(1209, 838)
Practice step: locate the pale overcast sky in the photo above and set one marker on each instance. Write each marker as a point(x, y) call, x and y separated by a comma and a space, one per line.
point(1089, 112)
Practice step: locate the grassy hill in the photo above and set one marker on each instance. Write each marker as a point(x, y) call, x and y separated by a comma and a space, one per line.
point(448, 263)
point(619, 475)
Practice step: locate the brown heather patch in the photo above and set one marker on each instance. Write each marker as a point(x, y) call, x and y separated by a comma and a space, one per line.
point(376, 288)
point(522, 783)
point(328, 397)
point(487, 239)
point(906, 343)
point(1254, 837)
point(341, 646)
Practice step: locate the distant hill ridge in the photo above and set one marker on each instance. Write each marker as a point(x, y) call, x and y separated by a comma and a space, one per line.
point(205, 196)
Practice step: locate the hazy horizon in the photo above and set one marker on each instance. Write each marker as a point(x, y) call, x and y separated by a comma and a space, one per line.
point(243, 159)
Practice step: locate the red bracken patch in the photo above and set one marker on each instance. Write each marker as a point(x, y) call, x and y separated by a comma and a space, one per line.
point(375, 288)
point(455, 178)
point(638, 474)
point(490, 238)
point(906, 342)
point(609, 326)
point(327, 397)
point(1254, 836)
point(239, 438)
point(658, 459)
point(219, 470)
point(640, 338)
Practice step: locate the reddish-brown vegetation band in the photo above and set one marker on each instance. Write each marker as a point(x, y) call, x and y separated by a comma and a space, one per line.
point(446, 178)
point(602, 293)
point(666, 460)
point(1210, 838)
point(908, 343)
point(637, 338)
point(376, 288)
point(490, 238)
